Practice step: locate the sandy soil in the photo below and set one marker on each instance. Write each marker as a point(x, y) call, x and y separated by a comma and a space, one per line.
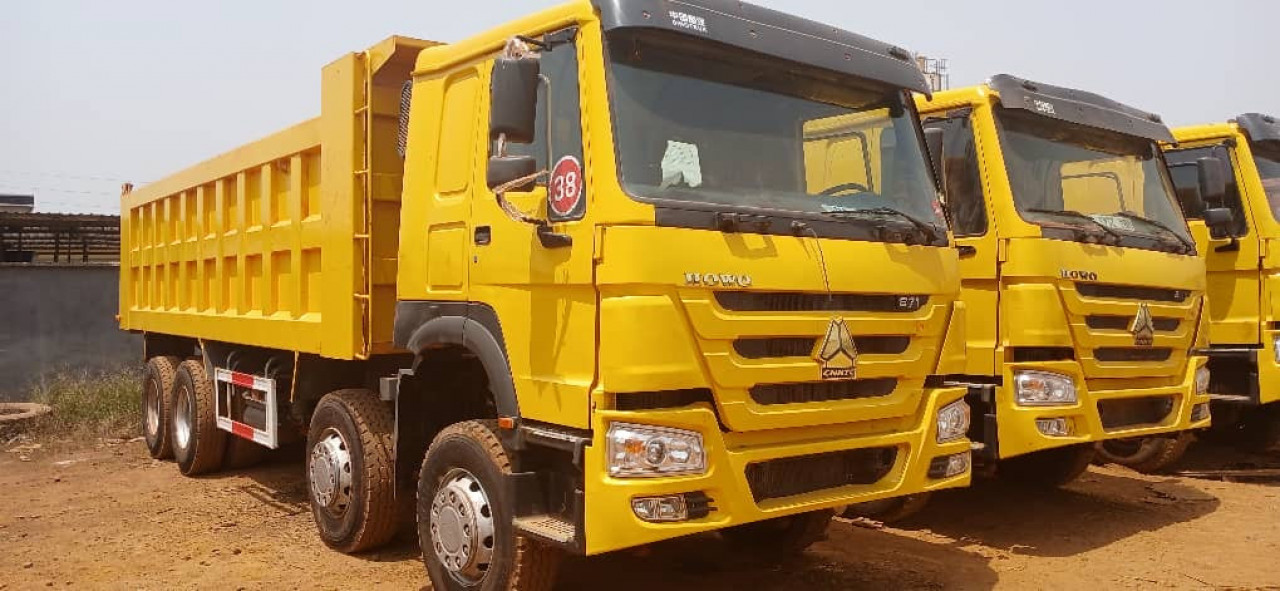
point(109, 517)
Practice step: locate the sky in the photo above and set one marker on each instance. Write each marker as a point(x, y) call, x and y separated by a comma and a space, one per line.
point(95, 93)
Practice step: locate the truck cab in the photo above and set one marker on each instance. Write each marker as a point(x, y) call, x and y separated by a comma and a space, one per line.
point(1081, 280)
point(1228, 180)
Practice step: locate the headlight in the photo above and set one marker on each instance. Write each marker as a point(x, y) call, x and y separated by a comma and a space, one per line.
point(1275, 348)
point(953, 421)
point(639, 451)
point(1202, 381)
point(1042, 388)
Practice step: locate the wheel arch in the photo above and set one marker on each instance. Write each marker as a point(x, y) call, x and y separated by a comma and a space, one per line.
point(423, 328)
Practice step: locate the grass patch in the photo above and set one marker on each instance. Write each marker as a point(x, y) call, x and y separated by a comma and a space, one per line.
point(95, 403)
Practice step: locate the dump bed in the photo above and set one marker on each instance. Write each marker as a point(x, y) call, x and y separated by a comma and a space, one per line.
point(289, 242)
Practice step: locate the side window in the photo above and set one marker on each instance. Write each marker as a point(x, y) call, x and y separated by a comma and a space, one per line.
point(557, 146)
point(1186, 181)
point(962, 179)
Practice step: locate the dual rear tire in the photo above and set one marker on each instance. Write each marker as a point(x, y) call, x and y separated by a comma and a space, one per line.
point(179, 422)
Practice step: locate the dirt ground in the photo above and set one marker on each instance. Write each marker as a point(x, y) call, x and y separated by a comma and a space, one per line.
point(110, 517)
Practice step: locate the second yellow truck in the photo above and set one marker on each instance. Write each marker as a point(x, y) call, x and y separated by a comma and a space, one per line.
point(1084, 290)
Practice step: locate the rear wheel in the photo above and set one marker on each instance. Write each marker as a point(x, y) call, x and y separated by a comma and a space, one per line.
point(157, 407)
point(465, 519)
point(1149, 455)
point(780, 537)
point(1049, 468)
point(890, 510)
point(198, 445)
point(350, 471)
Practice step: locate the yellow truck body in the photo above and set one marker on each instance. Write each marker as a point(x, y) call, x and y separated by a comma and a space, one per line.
point(368, 262)
point(1056, 281)
point(1243, 267)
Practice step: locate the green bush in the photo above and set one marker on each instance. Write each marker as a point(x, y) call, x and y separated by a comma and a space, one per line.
point(103, 403)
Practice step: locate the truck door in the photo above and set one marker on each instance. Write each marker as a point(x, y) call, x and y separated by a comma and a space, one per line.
point(544, 292)
point(1235, 288)
point(975, 238)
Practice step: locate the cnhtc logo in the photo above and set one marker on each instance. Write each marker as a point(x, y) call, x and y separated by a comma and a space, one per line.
point(836, 353)
point(688, 21)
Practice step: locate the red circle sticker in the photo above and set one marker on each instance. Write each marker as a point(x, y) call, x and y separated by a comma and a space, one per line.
point(565, 188)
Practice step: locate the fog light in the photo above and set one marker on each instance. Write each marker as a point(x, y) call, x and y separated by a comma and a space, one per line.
point(948, 466)
point(1200, 412)
point(1202, 381)
point(660, 509)
point(1054, 427)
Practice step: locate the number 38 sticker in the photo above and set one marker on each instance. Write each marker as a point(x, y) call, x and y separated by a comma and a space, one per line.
point(565, 188)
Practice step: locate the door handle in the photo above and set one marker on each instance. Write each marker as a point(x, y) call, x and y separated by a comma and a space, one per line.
point(967, 251)
point(484, 235)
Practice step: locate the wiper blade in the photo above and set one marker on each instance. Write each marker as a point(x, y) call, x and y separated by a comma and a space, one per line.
point(929, 231)
point(1071, 213)
point(1187, 244)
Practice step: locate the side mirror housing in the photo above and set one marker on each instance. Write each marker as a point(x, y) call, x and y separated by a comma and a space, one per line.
point(513, 110)
point(1219, 220)
point(505, 169)
point(1213, 181)
point(933, 137)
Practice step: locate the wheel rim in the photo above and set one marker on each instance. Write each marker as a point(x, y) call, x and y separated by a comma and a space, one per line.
point(1123, 448)
point(152, 415)
point(329, 468)
point(182, 414)
point(462, 527)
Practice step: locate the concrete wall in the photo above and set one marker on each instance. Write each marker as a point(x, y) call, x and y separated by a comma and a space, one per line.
point(54, 317)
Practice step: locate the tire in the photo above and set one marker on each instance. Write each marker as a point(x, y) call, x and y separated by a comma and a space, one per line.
point(242, 453)
point(198, 445)
point(1049, 468)
point(351, 471)
point(1149, 455)
point(891, 510)
point(157, 407)
point(466, 457)
point(781, 537)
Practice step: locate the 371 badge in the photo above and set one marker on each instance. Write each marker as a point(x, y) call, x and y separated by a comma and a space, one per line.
point(565, 188)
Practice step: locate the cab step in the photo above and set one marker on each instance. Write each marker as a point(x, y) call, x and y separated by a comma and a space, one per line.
point(548, 528)
point(1233, 398)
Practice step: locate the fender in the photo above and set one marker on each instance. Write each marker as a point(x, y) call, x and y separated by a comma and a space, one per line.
point(421, 325)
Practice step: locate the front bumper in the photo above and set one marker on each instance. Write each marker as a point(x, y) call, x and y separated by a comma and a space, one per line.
point(611, 525)
point(1020, 435)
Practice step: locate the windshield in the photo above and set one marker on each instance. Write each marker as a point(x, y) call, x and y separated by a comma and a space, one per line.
point(699, 126)
point(1064, 174)
point(1267, 157)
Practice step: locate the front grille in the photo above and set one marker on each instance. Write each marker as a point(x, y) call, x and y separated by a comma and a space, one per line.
point(1129, 412)
point(773, 348)
point(1111, 354)
point(1130, 292)
point(788, 477)
point(1042, 354)
point(634, 401)
point(1124, 322)
point(752, 301)
point(822, 391)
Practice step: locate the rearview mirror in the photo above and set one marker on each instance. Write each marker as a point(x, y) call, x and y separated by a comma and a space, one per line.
point(933, 137)
point(1219, 220)
point(1213, 181)
point(506, 169)
point(513, 109)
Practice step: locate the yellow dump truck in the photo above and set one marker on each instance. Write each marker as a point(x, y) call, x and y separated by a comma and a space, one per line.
point(1082, 284)
point(1228, 180)
point(576, 284)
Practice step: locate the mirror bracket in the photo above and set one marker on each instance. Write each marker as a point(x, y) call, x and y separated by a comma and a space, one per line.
point(549, 238)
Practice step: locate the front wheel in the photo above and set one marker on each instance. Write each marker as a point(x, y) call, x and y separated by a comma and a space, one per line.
point(1149, 455)
point(465, 517)
point(780, 537)
point(1049, 468)
point(891, 510)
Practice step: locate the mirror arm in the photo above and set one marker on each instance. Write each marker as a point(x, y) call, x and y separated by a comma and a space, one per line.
point(550, 239)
